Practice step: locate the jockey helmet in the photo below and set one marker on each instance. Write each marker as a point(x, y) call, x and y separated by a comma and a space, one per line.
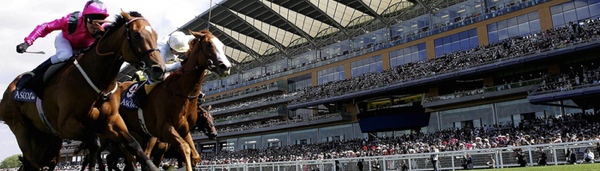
point(94, 10)
point(178, 41)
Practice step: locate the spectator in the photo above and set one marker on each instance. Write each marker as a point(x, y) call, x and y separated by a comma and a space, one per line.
point(588, 156)
point(338, 166)
point(542, 160)
point(491, 163)
point(521, 159)
point(376, 166)
point(360, 165)
point(598, 147)
point(571, 157)
point(404, 166)
point(468, 162)
point(434, 157)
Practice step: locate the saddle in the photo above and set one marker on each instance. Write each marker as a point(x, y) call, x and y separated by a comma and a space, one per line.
point(35, 87)
point(136, 94)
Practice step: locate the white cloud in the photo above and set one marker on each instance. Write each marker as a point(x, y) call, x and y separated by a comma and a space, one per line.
point(20, 17)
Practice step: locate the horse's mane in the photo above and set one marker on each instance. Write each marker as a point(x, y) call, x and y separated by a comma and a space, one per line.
point(119, 21)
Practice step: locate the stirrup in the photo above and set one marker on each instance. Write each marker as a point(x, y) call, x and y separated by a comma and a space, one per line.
point(28, 73)
point(25, 78)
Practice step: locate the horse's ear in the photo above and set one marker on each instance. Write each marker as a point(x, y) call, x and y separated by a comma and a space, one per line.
point(196, 34)
point(124, 14)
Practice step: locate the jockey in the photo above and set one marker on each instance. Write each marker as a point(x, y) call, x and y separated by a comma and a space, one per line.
point(79, 32)
point(172, 48)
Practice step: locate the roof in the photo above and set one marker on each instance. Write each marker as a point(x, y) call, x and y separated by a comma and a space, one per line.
point(258, 32)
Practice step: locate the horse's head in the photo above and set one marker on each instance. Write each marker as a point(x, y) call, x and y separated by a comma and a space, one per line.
point(140, 48)
point(207, 51)
point(205, 123)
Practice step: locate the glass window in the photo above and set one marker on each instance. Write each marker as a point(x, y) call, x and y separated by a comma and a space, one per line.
point(455, 43)
point(556, 9)
point(330, 74)
point(570, 16)
point(491, 27)
point(583, 12)
point(409, 54)
point(533, 16)
point(534, 26)
point(558, 20)
point(595, 10)
point(580, 3)
point(511, 22)
point(501, 24)
point(502, 34)
point(568, 6)
point(513, 31)
point(493, 37)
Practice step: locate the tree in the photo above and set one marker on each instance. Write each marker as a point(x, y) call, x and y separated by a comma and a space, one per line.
point(11, 162)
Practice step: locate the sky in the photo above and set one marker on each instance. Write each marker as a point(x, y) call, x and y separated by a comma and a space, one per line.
point(20, 17)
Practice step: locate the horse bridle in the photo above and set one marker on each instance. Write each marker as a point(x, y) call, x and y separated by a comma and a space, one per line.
point(141, 63)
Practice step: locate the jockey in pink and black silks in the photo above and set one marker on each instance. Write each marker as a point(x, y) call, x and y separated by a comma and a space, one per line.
point(78, 32)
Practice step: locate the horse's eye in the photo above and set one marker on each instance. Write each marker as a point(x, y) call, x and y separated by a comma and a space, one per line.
point(137, 35)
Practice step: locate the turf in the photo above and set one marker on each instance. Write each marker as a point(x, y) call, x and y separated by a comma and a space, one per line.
point(578, 167)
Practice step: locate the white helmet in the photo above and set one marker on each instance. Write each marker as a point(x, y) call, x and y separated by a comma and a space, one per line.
point(179, 42)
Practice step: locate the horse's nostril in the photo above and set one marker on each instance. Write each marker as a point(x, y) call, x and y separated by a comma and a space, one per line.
point(223, 66)
point(157, 69)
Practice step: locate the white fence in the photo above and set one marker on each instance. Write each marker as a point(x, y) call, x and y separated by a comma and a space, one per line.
point(504, 157)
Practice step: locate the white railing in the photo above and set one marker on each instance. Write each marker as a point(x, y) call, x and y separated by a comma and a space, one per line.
point(452, 160)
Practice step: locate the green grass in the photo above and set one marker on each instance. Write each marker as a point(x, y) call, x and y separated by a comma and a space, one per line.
point(578, 167)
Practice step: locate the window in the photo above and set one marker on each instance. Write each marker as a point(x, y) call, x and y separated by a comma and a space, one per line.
point(367, 65)
point(460, 41)
point(517, 26)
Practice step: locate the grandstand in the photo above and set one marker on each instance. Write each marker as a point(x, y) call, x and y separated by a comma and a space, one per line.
point(311, 73)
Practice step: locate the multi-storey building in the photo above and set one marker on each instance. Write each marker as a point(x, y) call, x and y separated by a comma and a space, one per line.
point(310, 71)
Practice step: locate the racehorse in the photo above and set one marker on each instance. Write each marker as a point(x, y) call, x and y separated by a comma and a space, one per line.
point(78, 101)
point(170, 110)
point(205, 124)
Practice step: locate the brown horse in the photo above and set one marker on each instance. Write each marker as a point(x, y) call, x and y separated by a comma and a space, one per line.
point(205, 124)
point(78, 101)
point(170, 110)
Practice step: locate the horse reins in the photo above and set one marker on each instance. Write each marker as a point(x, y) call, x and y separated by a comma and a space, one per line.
point(129, 40)
point(138, 56)
point(209, 66)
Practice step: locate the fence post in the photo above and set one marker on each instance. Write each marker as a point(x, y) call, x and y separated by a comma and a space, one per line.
point(530, 157)
point(452, 157)
point(555, 156)
point(384, 163)
point(501, 161)
point(410, 163)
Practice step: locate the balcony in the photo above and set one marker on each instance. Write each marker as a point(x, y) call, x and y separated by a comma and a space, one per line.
point(245, 95)
point(474, 69)
point(482, 93)
point(253, 106)
point(291, 124)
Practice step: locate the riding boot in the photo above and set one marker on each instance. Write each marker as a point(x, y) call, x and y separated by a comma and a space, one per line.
point(25, 78)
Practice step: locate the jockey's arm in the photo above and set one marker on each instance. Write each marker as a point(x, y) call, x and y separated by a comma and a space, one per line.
point(44, 29)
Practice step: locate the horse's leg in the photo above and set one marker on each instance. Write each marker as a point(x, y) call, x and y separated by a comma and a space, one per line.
point(158, 154)
point(195, 156)
point(103, 146)
point(172, 137)
point(117, 132)
point(150, 145)
point(93, 146)
point(85, 162)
